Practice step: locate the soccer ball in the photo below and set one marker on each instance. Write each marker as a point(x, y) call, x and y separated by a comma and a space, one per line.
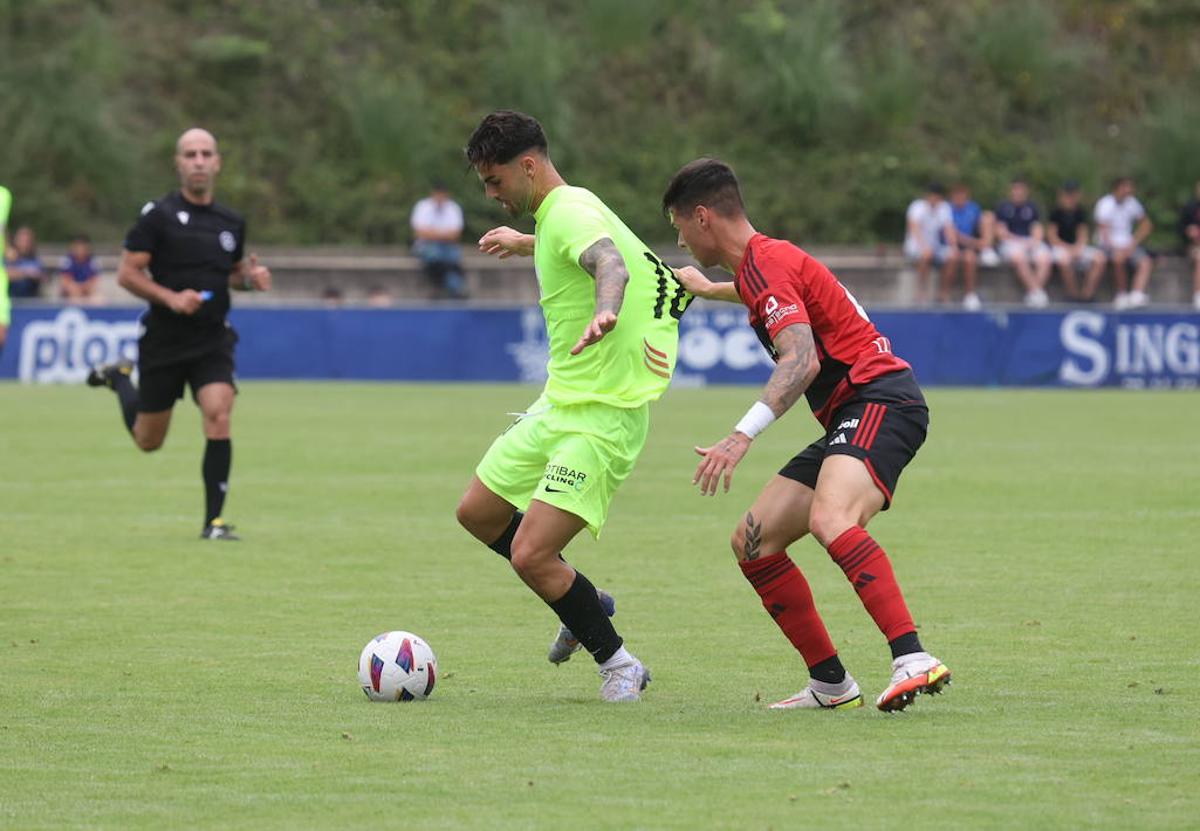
point(397, 666)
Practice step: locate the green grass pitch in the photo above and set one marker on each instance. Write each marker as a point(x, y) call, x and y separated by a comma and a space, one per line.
point(1047, 542)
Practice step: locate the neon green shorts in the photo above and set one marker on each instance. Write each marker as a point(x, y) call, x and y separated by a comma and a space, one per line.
point(573, 457)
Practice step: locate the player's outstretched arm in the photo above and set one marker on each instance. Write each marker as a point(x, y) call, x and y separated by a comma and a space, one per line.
point(504, 242)
point(795, 369)
point(604, 262)
point(248, 275)
point(692, 279)
point(132, 276)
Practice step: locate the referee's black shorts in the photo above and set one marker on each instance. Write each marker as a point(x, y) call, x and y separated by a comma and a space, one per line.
point(162, 384)
point(884, 426)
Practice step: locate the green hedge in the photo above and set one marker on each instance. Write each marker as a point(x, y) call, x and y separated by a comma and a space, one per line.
point(335, 116)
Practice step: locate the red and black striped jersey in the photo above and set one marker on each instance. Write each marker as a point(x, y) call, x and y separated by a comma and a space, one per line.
point(782, 285)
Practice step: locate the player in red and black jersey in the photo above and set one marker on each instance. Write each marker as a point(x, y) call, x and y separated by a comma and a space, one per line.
point(875, 418)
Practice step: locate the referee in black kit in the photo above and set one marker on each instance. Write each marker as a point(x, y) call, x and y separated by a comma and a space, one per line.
point(184, 255)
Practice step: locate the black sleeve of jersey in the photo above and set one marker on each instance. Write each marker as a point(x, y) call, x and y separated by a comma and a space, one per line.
point(147, 231)
point(239, 253)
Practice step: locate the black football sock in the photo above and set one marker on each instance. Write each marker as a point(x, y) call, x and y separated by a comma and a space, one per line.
point(829, 671)
point(503, 543)
point(218, 457)
point(905, 645)
point(580, 611)
point(127, 397)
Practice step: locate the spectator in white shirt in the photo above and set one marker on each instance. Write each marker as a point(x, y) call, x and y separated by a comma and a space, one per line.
point(437, 223)
point(931, 237)
point(1122, 226)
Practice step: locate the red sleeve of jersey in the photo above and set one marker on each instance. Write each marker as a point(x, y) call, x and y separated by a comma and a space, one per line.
point(776, 300)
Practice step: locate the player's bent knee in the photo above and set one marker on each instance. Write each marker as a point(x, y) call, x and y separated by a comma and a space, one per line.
point(736, 542)
point(827, 525)
point(528, 561)
point(468, 517)
point(148, 444)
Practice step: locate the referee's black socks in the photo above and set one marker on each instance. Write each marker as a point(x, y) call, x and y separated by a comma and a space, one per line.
point(127, 397)
point(218, 456)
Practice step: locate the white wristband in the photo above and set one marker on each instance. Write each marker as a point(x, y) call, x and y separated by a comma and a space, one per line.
point(756, 419)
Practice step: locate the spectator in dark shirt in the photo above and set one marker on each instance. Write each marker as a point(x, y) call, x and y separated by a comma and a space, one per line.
point(1068, 233)
point(23, 266)
point(1189, 230)
point(1019, 227)
point(78, 276)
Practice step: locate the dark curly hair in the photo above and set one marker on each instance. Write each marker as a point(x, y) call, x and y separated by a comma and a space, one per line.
point(502, 136)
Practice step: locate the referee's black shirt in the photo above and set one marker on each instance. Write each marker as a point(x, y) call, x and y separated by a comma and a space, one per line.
point(191, 247)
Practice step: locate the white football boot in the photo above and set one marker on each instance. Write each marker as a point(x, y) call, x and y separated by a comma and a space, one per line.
point(847, 694)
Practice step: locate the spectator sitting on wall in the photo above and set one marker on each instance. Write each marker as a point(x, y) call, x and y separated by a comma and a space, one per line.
point(975, 231)
point(1019, 228)
point(1116, 214)
point(332, 297)
point(78, 277)
point(23, 266)
point(378, 297)
point(1068, 233)
point(930, 237)
point(437, 223)
point(1189, 230)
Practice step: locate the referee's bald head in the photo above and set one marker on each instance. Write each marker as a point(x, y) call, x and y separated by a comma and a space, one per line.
point(191, 135)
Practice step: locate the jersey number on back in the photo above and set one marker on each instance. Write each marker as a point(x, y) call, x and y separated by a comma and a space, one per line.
point(679, 299)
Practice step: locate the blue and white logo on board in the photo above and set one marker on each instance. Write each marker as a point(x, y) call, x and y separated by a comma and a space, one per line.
point(64, 349)
point(1132, 351)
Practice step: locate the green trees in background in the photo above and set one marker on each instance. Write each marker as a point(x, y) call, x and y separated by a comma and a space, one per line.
point(335, 116)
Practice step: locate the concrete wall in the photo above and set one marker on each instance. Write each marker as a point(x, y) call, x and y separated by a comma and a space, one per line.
point(878, 276)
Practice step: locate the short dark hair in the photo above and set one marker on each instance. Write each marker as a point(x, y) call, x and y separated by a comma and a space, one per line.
point(936, 187)
point(502, 136)
point(707, 182)
point(1070, 186)
point(1120, 180)
point(84, 238)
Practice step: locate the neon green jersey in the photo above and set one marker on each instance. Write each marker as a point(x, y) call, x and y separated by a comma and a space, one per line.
point(633, 363)
point(5, 206)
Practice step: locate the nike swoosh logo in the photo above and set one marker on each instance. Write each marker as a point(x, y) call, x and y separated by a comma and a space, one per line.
point(555, 490)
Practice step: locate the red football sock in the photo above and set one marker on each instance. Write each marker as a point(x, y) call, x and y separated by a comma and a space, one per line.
point(788, 600)
point(867, 567)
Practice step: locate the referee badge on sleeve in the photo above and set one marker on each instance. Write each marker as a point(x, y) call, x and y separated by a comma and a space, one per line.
point(227, 241)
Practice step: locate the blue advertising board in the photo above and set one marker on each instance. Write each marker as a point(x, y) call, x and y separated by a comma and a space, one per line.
point(1076, 348)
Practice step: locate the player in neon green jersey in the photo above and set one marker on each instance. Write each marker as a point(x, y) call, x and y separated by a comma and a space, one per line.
point(5, 205)
point(612, 312)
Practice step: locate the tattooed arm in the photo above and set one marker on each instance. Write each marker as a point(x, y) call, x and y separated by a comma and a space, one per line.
point(604, 262)
point(795, 369)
